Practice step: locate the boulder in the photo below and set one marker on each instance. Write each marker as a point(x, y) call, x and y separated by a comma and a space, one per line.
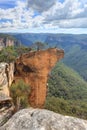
point(41, 119)
point(34, 68)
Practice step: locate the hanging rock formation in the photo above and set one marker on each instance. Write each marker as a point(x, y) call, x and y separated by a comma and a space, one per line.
point(34, 69)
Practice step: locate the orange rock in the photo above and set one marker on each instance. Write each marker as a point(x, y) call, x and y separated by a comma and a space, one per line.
point(34, 68)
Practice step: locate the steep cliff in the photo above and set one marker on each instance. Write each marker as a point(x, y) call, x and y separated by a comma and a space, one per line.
point(6, 104)
point(6, 77)
point(40, 119)
point(7, 40)
point(34, 68)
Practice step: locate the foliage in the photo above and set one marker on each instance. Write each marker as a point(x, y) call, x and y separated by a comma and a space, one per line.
point(66, 83)
point(7, 54)
point(75, 108)
point(67, 92)
point(10, 53)
point(20, 92)
point(76, 58)
point(38, 45)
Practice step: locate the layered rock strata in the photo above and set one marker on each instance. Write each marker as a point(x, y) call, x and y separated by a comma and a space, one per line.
point(6, 77)
point(8, 41)
point(34, 68)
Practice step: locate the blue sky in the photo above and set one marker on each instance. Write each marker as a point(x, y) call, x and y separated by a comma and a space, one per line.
point(52, 16)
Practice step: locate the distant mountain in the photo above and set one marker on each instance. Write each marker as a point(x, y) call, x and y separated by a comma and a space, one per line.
point(29, 38)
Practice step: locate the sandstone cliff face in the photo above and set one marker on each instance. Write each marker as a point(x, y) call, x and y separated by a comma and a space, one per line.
point(6, 41)
point(36, 119)
point(6, 77)
point(34, 68)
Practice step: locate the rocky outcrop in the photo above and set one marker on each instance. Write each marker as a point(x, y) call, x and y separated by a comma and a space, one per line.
point(34, 69)
point(37, 119)
point(7, 40)
point(6, 108)
point(6, 77)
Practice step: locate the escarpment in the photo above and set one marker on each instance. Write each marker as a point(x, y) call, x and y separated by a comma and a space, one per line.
point(7, 40)
point(34, 68)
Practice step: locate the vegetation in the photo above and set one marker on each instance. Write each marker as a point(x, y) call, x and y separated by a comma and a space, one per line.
point(10, 53)
point(66, 83)
point(76, 58)
point(20, 92)
point(7, 54)
point(76, 108)
point(38, 45)
point(67, 92)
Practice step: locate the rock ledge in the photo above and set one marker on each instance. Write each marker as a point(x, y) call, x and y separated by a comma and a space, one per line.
point(41, 119)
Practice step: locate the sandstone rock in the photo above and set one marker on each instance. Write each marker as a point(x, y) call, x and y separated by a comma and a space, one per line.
point(40, 119)
point(34, 69)
point(6, 108)
point(6, 77)
point(6, 40)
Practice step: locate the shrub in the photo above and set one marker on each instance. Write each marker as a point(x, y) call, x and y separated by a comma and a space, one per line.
point(20, 92)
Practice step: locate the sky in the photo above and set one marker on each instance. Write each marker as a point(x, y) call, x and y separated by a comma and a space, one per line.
point(46, 16)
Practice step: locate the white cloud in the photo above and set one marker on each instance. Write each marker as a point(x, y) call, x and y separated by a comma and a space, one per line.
point(17, 17)
point(73, 23)
point(71, 13)
point(70, 9)
point(52, 15)
point(41, 5)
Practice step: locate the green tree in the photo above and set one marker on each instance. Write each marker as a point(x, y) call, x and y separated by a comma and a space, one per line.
point(20, 92)
point(38, 45)
point(22, 49)
point(8, 54)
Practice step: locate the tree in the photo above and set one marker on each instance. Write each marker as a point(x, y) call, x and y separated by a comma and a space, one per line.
point(10, 53)
point(20, 92)
point(7, 54)
point(38, 45)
